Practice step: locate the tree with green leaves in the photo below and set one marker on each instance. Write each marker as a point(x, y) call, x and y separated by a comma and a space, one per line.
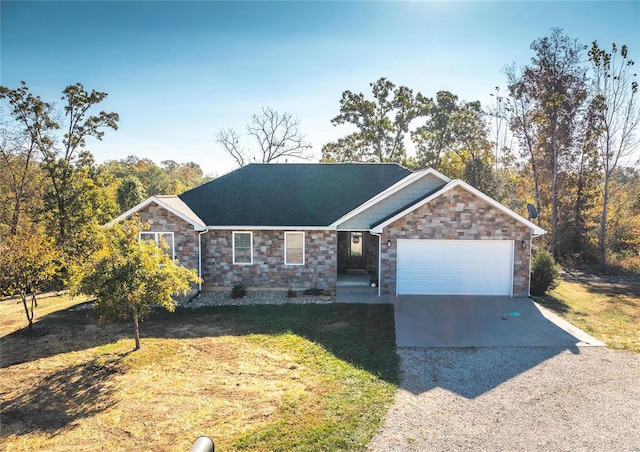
point(28, 260)
point(128, 275)
point(130, 193)
point(168, 179)
point(25, 130)
point(73, 196)
point(551, 94)
point(381, 123)
point(277, 136)
point(615, 91)
point(70, 167)
point(454, 140)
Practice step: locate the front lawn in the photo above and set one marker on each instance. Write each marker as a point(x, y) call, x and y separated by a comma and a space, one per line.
point(607, 307)
point(292, 377)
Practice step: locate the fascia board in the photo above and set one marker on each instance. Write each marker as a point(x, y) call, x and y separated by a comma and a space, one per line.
point(402, 183)
point(269, 228)
point(131, 211)
point(537, 230)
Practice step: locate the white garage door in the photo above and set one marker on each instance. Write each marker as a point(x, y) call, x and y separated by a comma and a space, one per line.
point(455, 267)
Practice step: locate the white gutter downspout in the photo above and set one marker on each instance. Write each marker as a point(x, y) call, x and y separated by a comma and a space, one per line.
point(200, 234)
point(379, 256)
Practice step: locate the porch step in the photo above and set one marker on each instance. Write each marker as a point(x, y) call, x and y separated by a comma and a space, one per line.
point(354, 271)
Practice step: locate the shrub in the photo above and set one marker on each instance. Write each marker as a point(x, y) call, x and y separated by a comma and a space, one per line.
point(238, 291)
point(544, 273)
point(291, 293)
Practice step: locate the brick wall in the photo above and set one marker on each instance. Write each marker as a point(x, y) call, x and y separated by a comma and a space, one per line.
point(184, 236)
point(268, 269)
point(457, 215)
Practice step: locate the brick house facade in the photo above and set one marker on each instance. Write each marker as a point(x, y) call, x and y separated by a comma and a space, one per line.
point(457, 215)
point(268, 269)
point(378, 204)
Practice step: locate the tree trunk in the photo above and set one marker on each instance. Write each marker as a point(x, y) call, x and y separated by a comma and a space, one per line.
point(554, 202)
point(602, 246)
point(29, 313)
point(136, 330)
point(534, 169)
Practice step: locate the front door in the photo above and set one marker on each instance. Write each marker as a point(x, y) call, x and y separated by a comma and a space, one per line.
point(355, 251)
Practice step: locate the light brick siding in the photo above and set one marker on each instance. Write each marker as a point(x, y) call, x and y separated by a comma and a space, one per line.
point(457, 215)
point(268, 269)
point(184, 236)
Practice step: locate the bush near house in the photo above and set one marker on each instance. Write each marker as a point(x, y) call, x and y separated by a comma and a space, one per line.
point(544, 273)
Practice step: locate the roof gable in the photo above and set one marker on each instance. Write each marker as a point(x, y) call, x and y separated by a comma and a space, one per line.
point(290, 194)
point(378, 227)
point(171, 203)
point(399, 194)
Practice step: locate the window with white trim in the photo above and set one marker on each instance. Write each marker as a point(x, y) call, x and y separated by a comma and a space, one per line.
point(163, 239)
point(294, 248)
point(243, 248)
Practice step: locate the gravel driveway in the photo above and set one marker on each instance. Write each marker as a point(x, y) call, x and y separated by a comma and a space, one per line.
point(514, 399)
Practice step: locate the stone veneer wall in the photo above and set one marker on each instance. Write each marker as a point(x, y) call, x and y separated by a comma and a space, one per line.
point(371, 252)
point(268, 269)
point(184, 236)
point(457, 215)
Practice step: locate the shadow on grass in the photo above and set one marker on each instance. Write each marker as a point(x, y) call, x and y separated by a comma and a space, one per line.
point(551, 303)
point(362, 335)
point(60, 398)
point(608, 283)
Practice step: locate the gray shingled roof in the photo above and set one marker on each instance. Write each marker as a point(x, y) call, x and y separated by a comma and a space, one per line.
point(290, 194)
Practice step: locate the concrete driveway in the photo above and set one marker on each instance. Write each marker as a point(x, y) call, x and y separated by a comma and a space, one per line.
point(473, 321)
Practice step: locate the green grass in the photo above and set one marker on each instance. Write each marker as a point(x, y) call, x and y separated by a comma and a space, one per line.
point(608, 311)
point(292, 377)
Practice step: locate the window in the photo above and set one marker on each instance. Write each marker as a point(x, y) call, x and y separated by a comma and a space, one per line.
point(294, 248)
point(242, 248)
point(162, 239)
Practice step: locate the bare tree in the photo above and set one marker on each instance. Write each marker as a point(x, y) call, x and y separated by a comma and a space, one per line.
point(230, 141)
point(277, 136)
point(498, 113)
point(615, 95)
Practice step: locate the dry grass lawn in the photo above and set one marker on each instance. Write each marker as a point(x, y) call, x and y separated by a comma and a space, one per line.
point(607, 307)
point(293, 377)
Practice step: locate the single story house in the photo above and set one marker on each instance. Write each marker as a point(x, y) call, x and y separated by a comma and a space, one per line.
point(305, 225)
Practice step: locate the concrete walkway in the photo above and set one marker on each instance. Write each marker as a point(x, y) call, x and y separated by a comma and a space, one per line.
point(471, 321)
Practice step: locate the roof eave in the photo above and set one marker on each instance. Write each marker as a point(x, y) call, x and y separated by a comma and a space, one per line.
point(242, 227)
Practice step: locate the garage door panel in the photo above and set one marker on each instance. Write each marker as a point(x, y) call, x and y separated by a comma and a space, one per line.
point(455, 267)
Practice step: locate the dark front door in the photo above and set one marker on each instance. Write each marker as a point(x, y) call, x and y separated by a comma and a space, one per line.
point(355, 251)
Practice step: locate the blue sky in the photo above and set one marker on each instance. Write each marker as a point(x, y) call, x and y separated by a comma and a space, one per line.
point(177, 72)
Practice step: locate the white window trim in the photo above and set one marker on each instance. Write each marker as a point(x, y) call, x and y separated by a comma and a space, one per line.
point(157, 240)
point(285, 248)
point(233, 247)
